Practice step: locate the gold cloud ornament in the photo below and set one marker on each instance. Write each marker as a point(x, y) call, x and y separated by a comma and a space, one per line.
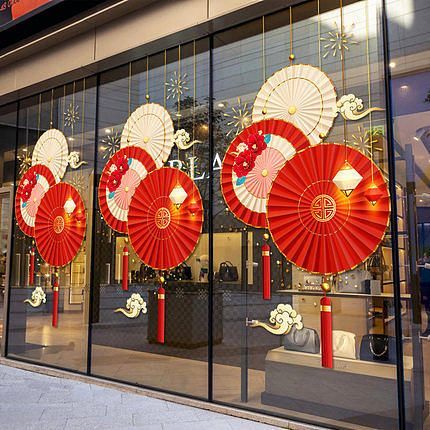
point(350, 107)
point(134, 307)
point(38, 297)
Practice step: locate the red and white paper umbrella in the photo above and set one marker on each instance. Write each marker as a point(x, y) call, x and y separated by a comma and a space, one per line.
point(60, 225)
point(311, 220)
point(31, 189)
point(165, 218)
point(252, 162)
point(120, 177)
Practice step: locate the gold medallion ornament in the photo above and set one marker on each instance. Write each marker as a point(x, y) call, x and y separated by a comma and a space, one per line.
point(302, 95)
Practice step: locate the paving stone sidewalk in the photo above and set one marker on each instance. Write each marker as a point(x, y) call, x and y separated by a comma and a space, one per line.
point(30, 401)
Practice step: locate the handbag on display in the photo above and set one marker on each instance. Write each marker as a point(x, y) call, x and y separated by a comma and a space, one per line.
point(344, 344)
point(378, 347)
point(185, 272)
point(228, 272)
point(304, 340)
point(353, 281)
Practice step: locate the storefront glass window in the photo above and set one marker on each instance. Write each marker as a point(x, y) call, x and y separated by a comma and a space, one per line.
point(55, 128)
point(125, 345)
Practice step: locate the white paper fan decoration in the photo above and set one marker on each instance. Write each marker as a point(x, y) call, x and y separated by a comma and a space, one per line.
point(150, 127)
point(302, 95)
point(52, 151)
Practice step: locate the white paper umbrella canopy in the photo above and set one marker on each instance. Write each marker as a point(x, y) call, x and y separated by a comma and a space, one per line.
point(52, 151)
point(302, 95)
point(150, 127)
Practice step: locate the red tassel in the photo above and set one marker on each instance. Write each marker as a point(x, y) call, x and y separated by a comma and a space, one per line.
point(31, 267)
point(55, 297)
point(125, 269)
point(265, 253)
point(326, 333)
point(161, 295)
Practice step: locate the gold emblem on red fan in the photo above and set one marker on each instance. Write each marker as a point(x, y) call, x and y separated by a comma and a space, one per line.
point(323, 208)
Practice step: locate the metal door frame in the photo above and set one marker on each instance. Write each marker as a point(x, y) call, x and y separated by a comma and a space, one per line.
point(7, 190)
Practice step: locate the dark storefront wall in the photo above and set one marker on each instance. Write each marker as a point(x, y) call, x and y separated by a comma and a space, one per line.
point(220, 358)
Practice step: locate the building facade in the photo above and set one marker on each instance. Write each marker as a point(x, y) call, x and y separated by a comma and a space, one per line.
point(226, 306)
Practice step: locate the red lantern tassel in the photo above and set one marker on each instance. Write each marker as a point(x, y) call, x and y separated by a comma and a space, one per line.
point(125, 269)
point(161, 295)
point(326, 333)
point(55, 297)
point(31, 267)
point(265, 253)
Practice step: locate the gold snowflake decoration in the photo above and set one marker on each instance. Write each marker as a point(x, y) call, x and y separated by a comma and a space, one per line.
point(177, 85)
point(24, 162)
point(338, 40)
point(80, 182)
point(239, 117)
point(110, 144)
point(71, 115)
point(364, 140)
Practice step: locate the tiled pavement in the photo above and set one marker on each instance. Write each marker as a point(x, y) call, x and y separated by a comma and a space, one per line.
point(31, 400)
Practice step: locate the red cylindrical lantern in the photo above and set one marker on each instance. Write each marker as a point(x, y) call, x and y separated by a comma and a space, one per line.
point(125, 269)
point(55, 297)
point(265, 257)
point(161, 296)
point(326, 333)
point(31, 267)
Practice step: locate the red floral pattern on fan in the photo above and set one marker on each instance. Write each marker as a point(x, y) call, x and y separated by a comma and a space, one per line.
point(244, 163)
point(28, 183)
point(313, 223)
point(59, 235)
point(114, 180)
point(256, 143)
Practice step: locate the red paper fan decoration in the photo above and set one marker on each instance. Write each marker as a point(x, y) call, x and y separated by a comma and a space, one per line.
point(162, 234)
point(246, 196)
point(31, 189)
point(60, 225)
point(120, 177)
point(313, 223)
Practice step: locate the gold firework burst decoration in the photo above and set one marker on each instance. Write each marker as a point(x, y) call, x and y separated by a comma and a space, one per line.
point(79, 181)
point(110, 144)
point(190, 166)
point(24, 162)
point(177, 85)
point(71, 115)
point(338, 40)
point(238, 118)
point(364, 140)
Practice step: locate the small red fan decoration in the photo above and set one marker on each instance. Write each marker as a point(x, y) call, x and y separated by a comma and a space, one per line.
point(60, 225)
point(313, 223)
point(120, 177)
point(164, 234)
point(252, 162)
point(31, 189)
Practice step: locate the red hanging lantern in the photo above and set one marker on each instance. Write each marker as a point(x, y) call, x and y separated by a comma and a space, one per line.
point(161, 297)
point(326, 333)
point(31, 267)
point(125, 269)
point(55, 298)
point(265, 257)
point(373, 194)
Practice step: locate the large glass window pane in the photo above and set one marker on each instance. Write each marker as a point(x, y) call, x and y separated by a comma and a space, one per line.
point(409, 62)
point(259, 364)
point(126, 346)
point(33, 332)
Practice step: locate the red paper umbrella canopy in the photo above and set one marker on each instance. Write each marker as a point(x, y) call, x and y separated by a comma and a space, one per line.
point(31, 189)
point(163, 235)
point(313, 223)
point(60, 225)
point(120, 177)
point(246, 196)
